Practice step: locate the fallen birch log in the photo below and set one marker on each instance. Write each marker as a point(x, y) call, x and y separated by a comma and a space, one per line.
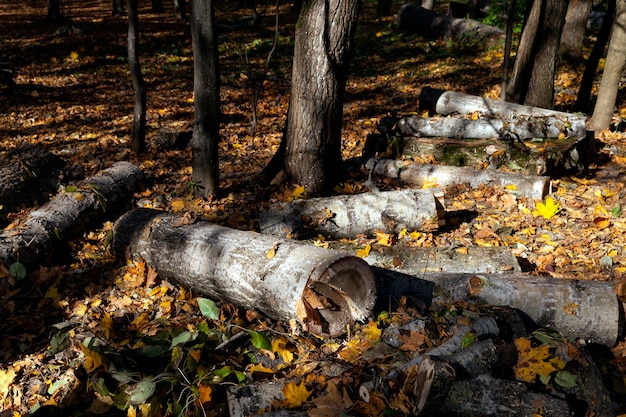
point(419, 260)
point(449, 102)
point(42, 235)
point(432, 25)
point(284, 279)
point(28, 176)
point(531, 186)
point(350, 215)
point(577, 309)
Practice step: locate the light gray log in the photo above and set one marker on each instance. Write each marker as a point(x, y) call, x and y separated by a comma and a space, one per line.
point(284, 279)
point(450, 102)
point(43, 235)
point(350, 215)
point(530, 186)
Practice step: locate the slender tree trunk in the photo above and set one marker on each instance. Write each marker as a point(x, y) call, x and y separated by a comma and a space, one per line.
point(508, 40)
point(138, 141)
point(179, 8)
point(206, 87)
point(118, 7)
point(574, 29)
point(615, 61)
point(589, 75)
point(533, 74)
point(323, 41)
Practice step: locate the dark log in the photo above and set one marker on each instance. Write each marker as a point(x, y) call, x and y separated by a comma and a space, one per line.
point(432, 25)
point(350, 215)
point(42, 236)
point(553, 122)
point(577, 309)
point(284, 279)
point(442, 176)
point(28, 176)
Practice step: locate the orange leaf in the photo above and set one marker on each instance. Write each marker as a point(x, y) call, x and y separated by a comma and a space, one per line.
point(295, 395)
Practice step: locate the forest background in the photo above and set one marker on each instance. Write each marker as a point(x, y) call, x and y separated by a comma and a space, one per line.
point(74, 96)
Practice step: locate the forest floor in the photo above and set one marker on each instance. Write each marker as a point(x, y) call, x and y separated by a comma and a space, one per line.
point(74, 96)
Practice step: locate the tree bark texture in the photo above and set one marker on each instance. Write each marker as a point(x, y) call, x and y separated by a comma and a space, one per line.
point(589, 75)
point(323, 290)
point(532, 82)
point(350, 215)
point(578, 309)
point(613, 68)
point(27, 177)
point(432, 25)
point(547, 120)
point(323, 42)
point(442, 176)
point(206, 90)
point(574, 29)
point(138, 134)
point(69, 214)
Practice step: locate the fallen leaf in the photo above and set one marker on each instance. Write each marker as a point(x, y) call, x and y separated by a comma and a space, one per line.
point(547, 209)
point(295, 395)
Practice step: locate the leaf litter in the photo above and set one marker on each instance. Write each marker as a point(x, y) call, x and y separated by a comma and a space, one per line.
point(94, 335)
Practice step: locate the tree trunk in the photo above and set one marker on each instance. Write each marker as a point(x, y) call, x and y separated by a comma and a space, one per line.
point(577, 309)
point(41, 238)
point(586, 84)
point(432, 25)
point(179, 9)
point(118, 7)
point(323, 41)
point(206, 87)
point(323, 290)
point(27, 177)
point(450, 102)
point(138, 140)
point(350, 215)
point(574, 29)
point(532, 82)
point(613, 68)
point(442, 176)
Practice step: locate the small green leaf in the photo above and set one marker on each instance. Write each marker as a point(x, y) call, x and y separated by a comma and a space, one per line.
point(259, 340)
point(616, 212)
point(141, 392)
point(209, 309)
point(468, 339)
point(71, 189)
point(17, 270)
point(565, 379)
point(184, 337)
point(153, 351)
point(222, 372)
point(241, 377)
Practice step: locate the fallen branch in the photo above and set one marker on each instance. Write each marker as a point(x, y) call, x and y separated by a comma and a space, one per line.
point(350, 215)
point(442, 176)
point(287, 280)
point(577, 309)
point(41, 238)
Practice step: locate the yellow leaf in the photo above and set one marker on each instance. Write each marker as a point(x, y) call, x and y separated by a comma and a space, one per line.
point(385, 239)
point(602, 222)
point(73, 55)
point(372, 332)
point(272, 252)
point(6, 379)
point(106, 324)
point(178, 204)
point(279, 347)
point(474, 116)
point(93, 360)
point(534, 361)
point(415, 235)
point(79, 196)
point(510, 187)
point(131, 412)
point(295, 395)
point(561, 136)
point(206, 393)
point(430, 183)
point(298, 192)
point(364, 253)
point(548, 209)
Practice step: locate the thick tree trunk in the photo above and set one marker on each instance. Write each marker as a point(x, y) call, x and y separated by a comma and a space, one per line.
point(615, 61)
point(532, 82)
point(323, 290)
point(577, 309)
point(574, 29)
point(583, 98)
point(138, 134)
point(450, 102)
point(350, 215)
point(442, 176)
point(432, 25)
point(206, 87)
point(69, 214)
point(28, 176)
point(324, 37)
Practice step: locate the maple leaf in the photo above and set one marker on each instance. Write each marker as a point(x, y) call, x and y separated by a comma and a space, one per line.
point(364, 253)
point(295, 395)
point(6, 379)
point(547, 209)
point(535, 361)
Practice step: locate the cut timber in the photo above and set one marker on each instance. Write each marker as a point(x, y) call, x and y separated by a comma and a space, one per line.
point(577, 309)
point(415, 261)
point(287, 280)
point(28, 175)
point(442, 176)
point(449, 102)
point(69, 214)
point(350, 215)
point(432, 25)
